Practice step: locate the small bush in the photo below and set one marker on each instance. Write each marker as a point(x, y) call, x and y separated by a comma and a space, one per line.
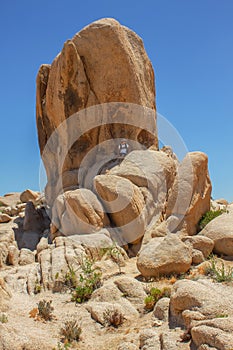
point(209, 216)
point(45, 310)
point(113, 318)
point(3, 318)
point(219, 274)
point(115, 254)
point(71, 331)
point(71, 278)
point(68, 282)
point(149, 302)
point(89, 280)
point(59, 285)
point(82, 293)
point(221, 316)
point(61, 346)
point(38, 287)
point(166, 292)
point(154, 295)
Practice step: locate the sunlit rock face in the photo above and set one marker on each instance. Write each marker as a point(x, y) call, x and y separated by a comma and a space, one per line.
point(104, 63)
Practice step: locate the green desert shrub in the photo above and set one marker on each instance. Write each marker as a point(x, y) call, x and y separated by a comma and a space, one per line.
point(209, 216)
point(154, 295)
point(221, 316)
point(71, 278)
point(62, 284)
point(3, 318)
point(61, 346)
point(113, 252)
point(219, 273)
point(149, 302)
point(89, 280)
point(37, 287)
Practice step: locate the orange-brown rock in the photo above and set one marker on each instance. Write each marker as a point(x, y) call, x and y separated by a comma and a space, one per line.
point(164, 256)
point(105, 62)
point(29, 195)
point(125, 204)
point(78, 212)
point(220, 231)
point(10, 199)
point(190, 194)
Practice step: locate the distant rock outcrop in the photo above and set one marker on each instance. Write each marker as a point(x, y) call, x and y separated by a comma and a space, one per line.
point(4, 218)
point(29, 195)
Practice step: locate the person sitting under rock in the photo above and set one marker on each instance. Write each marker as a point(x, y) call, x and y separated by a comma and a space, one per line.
point(123, 148)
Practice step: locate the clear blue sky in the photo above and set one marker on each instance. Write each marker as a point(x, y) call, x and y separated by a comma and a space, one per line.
point(190, 44)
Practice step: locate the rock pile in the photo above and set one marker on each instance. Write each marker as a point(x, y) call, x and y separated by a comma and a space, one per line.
point(134, 219)
point(150, 185)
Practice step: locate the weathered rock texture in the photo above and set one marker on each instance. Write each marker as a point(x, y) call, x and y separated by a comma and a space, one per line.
point(105, 74)
point(189, 197)
point(10, 199)
point(164, 256)
point(4, 218)
point(29, 195)
point(203, 244)
point(7, 240)
point(78, 211)
point(206, 309)
point(4, 295)
point(35, 219)
point(220, 230)
point(153, 170)
point(105, 62)
point(201, 306)
point(125, 204)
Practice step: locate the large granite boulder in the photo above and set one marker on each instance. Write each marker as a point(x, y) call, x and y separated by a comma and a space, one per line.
point(220, 230)
point(190, 195)
point(151, 169)
point(78, 212)
point(164, 256)
point(104, 63)
point(125, 204)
